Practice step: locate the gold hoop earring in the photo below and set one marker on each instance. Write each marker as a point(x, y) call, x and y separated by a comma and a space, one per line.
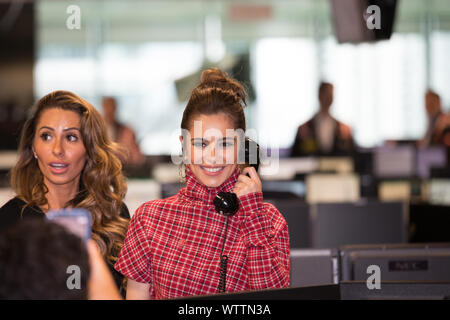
point(181, 170)
point(182, 167)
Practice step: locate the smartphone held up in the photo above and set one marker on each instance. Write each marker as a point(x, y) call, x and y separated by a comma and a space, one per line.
point(77, 221)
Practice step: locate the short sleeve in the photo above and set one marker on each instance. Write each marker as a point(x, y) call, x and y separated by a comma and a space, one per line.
point(134, 259)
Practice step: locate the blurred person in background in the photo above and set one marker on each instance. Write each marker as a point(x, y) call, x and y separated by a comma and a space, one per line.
point(35, 256)
point(121, 133)
point(66, 160)
point(323, 134)
point(438, 126)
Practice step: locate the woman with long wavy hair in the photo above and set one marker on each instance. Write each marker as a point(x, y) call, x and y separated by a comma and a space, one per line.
point(66, 160)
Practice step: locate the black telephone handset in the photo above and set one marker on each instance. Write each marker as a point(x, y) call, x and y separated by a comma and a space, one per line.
point(227, 203)
point(252, 153)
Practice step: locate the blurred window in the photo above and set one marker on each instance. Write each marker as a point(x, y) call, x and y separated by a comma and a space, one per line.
point(139, 52)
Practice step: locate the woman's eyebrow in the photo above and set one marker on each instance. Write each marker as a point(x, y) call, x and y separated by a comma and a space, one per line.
point(51, 129)
point(199, 139)
point(45, 127)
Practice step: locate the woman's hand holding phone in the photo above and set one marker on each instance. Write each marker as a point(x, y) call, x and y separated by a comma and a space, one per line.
point(248, 182)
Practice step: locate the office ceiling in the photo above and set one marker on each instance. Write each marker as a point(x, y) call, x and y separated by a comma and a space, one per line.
point(161, 20)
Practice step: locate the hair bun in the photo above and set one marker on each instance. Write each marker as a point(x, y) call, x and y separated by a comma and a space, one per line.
point(213, 75)
point(216, 78)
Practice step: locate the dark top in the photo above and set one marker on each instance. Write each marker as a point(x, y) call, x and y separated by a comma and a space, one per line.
point(307, 143)
point(10, 214)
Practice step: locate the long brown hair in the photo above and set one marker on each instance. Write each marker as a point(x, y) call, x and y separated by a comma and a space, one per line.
point(102, 184)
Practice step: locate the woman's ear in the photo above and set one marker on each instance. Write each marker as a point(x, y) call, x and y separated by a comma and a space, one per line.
point(181, 140)
point(183, 151)
point(182, 144)
point(34, 152)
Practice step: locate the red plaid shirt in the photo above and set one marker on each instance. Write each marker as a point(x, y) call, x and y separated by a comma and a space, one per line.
point(174, 244)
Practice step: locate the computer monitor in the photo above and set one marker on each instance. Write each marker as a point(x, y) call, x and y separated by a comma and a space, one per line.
point(336, 164)
point(365, 222)
point(296, 214)
point(363, 162)
point(287, 168)
point(312, 267)
point(397, 262)
point(429, 223)
point(352, 24)
point(394, 161)
point(170, 189)
point(283, 189)
point(432, 157)
point(396, 190)
point(332, 188)
point(439, 191)
point(439, 172)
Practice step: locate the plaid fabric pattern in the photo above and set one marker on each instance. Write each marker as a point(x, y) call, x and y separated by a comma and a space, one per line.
point(174, 244)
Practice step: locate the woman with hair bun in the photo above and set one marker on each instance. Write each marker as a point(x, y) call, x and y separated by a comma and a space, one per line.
point(182, 246)
point(66, 160)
